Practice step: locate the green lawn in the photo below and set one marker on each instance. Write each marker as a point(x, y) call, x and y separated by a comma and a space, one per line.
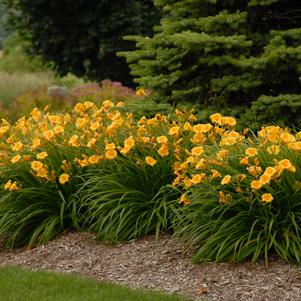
point(17, 284)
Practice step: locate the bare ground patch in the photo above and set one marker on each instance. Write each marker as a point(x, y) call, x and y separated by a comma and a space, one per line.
point(162, 265)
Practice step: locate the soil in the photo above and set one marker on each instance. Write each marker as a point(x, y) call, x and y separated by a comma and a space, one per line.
point(163, 265)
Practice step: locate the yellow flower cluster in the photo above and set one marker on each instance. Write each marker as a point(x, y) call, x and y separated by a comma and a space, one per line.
point(238, 164)
point(11, 186)
point(52, 145)
point(84, 137)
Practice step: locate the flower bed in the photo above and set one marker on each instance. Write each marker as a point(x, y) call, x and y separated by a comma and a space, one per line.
point(232, 194)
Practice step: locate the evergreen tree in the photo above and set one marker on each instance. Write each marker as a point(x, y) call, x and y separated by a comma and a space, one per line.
point(226, 54)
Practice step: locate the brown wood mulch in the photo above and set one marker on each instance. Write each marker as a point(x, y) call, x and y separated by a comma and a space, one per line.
point(162, 265)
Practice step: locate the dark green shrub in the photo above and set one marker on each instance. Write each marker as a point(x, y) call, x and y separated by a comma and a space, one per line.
point(82, 37)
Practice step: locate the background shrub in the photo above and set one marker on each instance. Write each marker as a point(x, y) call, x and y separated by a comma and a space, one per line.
point(15, 59)
point(106, 89)
point(80, 37)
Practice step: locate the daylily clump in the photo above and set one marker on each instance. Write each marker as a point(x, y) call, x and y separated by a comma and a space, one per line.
point(238, 163)
point(208, 166)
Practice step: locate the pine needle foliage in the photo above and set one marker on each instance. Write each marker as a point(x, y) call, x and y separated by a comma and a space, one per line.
point(224, 53)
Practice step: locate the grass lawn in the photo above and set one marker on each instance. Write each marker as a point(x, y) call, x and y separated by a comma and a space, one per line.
point(17, 284)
